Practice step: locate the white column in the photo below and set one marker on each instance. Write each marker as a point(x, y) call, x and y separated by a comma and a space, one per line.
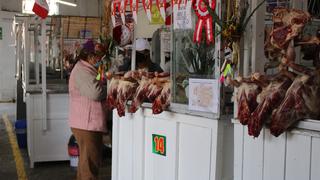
point(258, 25)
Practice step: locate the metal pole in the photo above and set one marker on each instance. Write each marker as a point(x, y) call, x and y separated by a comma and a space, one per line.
point(133, 53)
point(43, 75)
point(36, 53)
point(26, 58)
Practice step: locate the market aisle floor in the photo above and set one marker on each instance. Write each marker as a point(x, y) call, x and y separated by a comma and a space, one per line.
point(41, 171)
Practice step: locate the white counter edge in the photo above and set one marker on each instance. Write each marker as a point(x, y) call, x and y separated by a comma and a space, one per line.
point(308, 127)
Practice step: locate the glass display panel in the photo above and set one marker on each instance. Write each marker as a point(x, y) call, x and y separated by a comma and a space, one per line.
point(190, 60)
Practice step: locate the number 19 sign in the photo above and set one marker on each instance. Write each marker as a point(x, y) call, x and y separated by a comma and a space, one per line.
point(159, 144)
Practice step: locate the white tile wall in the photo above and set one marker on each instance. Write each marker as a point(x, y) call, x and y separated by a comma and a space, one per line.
point(7, 58)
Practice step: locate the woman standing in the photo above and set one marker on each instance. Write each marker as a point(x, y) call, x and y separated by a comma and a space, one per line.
point(87, 117)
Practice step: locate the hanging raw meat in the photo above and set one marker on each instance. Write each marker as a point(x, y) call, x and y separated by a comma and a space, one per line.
point(112, 93)
point(301, 102)
point(138, 86)
point(290, 17)
point(246, 96)
point(269, 99)
point(163, 100)
point(140, 94)
point(150, 87)
point(288, 24)
point(126, 90)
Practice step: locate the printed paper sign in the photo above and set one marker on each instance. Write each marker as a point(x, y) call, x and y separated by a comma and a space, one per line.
point(159, 144)
point(204, 95)
point(182, 18)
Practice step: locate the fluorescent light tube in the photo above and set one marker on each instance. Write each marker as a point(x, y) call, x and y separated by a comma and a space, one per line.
point(66, 3)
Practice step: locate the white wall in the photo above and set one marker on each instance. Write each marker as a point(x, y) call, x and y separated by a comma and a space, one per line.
point(11, 5)
point(144, 29)
point(84, 8)
point(7, 58)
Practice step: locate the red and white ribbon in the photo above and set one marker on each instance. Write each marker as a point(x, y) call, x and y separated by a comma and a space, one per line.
point(162, 8)
point(175, 4)
point(123, 11)
point(134, 9)
point(147, 5)
point(169, 13)
point(204, 20)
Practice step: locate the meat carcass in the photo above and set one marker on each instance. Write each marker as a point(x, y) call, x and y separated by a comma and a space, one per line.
point(300, 102)
point(125, 90)
point(246, 96)
point(288, 24)
point(150, 87)
point(269, 99)
point(163, 100)
point(141, 94)
point(290, 17)
point(112, 94)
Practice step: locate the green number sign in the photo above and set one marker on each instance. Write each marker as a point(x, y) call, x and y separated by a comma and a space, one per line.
point(0, 33)
point(159, 145)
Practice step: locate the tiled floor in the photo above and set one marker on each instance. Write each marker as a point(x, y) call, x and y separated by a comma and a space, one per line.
point(41, 171)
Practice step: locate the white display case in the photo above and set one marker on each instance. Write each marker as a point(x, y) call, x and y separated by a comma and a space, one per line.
point(46, 103)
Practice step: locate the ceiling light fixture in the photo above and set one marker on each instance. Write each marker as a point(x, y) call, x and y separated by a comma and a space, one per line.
point(66, 3)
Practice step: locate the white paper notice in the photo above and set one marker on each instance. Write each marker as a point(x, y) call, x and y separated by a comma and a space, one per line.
point(204, 95)
point(182, 18)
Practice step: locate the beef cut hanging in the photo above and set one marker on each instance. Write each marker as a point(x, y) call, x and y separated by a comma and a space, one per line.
point(269, 99)
point(301, 102)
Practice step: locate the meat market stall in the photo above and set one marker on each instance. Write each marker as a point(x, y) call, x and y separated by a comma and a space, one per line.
point(168, 125)
point(276, 130)
point(42, 68)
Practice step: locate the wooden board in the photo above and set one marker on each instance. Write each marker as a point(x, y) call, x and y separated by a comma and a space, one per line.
point(292, 156)
point(194, 146)
point(315, 159)
point(253, 156)
point(238, 151)
point(274, 156)
point(298, 157)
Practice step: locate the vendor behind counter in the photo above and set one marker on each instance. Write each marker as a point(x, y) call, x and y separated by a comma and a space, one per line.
point(143, 58)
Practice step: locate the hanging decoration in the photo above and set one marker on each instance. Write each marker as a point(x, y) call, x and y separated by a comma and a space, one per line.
point(175, 5)
point(156, 18)
point(41, 8)
point(123, 4)
point(169, 13)
point(147, 5)
point(115, 7)
point(134, 9)
point(162, 8)
point(204, 20)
